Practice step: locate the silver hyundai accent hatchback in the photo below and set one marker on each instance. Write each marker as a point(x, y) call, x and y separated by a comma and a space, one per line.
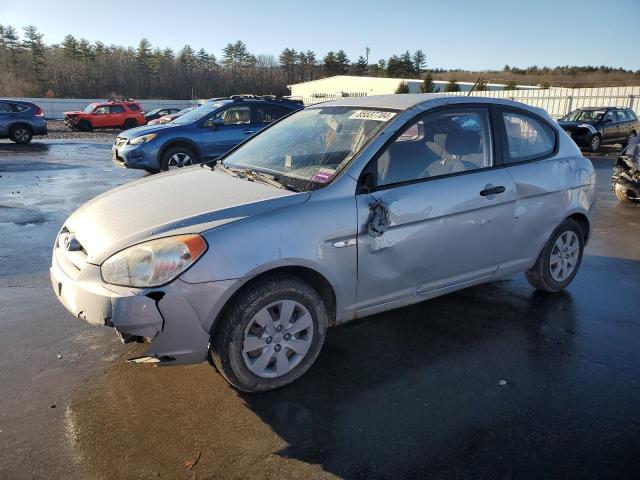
point(336, 212)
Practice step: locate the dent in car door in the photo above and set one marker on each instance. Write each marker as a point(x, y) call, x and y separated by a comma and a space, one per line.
point(443, 231)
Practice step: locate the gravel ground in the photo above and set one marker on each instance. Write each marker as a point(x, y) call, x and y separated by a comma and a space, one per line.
point(59, 131)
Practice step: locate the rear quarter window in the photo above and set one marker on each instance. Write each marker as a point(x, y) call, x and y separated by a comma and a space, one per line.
point(117, 109)
point(133, 107)
point(527, 137)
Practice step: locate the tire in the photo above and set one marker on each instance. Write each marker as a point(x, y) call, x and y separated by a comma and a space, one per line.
point(541, 275)
point(130, 123)
point(85, 126)
point(21, 134)
point(240, 324)
point(595, 143)
point(177, 157)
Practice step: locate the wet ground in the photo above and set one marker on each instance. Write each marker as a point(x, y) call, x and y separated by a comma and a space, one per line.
point(497, 381)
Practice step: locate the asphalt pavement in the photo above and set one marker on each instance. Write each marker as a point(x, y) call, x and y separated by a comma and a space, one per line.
point(496, 381)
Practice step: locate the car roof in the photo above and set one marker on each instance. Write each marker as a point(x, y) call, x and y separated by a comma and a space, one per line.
point(422, 101)
point(591, 109)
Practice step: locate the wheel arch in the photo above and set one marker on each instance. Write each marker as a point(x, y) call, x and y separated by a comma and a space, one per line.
point(19, 123)
point(181, 142)
point(583, 222)
point(312, 277)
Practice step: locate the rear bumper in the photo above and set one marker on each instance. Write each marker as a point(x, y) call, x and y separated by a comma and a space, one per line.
point(172, 318)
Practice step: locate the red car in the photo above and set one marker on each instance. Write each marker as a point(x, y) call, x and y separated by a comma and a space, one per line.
point(123, 114)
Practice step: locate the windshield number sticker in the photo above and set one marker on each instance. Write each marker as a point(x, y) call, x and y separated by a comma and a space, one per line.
point(324, 175)
point(375, 115)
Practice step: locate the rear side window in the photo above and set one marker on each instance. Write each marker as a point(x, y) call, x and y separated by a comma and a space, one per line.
point(5, 108)
point(527, 137)
point(620, 116)
point(19, 108)
point(117, 109)
point(270, 113)
point(133, 107)
point(632, 116)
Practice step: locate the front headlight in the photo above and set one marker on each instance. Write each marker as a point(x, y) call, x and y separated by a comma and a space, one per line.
point(153, 263)
point(142, 139)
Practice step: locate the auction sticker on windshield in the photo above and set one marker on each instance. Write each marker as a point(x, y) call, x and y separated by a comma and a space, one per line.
point(375, 115)
point(324, 175)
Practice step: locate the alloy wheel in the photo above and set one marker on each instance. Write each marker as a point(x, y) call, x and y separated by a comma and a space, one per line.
point(564, 256)
point(595, 143)
point(179, 160)
point(21, 134)
point(277, 338)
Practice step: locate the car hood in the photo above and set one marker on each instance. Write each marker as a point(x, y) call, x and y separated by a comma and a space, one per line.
point(74, 112)
point(144, 130)
point(186, 201)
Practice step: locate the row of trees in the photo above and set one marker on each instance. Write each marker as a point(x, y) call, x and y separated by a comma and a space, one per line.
point(79, 68)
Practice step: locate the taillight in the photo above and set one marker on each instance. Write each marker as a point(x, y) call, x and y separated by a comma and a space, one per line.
point(39, 112)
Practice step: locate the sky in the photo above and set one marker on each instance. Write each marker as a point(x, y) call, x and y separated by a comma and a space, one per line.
point(467, 34)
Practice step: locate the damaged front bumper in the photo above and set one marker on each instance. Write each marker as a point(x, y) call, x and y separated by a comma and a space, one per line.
point(176, 318)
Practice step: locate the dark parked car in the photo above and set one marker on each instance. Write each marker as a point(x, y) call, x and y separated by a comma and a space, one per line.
point(203, 134)
point(20, 121)
point(170, 117)
point(159, 112)
point(595, 126)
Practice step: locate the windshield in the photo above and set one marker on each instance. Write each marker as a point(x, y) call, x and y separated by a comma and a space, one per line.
point(311, 145)
point(198, 113)
point(584, 116)
point(90, 108)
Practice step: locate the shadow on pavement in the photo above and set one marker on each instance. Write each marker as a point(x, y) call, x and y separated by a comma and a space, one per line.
point(493, 381)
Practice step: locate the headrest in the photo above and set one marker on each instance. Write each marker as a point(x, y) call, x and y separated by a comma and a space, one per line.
point(462, 142)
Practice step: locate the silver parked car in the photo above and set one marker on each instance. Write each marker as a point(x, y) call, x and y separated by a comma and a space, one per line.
point(339, 211)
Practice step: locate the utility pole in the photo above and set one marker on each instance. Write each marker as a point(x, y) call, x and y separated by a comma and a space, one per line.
point(368, 50)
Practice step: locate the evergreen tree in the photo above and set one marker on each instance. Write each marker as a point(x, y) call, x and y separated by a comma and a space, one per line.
point(402, 87)
point(419, 61)
point(452, 86)
point(427, 84)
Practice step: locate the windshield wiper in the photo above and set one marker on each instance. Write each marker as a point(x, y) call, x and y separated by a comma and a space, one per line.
point(254, 176)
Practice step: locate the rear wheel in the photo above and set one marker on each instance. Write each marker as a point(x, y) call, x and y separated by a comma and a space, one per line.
point(21, 134)
point(559, 260)
point(594, 144)
point(270, 335)
point(177, 157)
point(130, 123)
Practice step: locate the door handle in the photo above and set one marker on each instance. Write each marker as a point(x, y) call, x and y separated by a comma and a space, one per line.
point(491, 190)
point(247, 132)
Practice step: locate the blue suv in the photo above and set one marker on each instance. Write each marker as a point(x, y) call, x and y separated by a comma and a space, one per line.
point(200, 135)
point(20, 121)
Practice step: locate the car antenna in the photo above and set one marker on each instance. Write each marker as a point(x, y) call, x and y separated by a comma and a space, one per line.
point(474, 86)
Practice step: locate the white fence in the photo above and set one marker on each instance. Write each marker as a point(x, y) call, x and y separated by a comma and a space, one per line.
point(556, 101)
point(54, 108)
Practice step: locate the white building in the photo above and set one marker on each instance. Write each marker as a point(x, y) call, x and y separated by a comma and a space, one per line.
point(352, 86)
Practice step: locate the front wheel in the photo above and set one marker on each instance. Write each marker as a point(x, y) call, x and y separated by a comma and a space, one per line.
point(594, 144)
point(177, 157)
point(630, 138)
point(21, 134)
point(85, 126)
point(560, 259)
point(270, 335)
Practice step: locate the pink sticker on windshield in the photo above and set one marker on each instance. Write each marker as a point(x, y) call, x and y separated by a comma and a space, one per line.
point(324, 175)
